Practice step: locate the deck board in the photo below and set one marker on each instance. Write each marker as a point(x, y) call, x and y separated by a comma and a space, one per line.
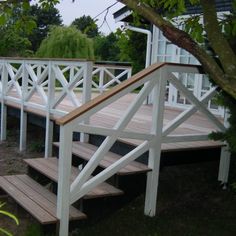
point(86, 151)
point(36, 199)
point(141, 122)
point(49, 168)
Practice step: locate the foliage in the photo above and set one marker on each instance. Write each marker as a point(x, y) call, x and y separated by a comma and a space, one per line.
point(13, 44)
point(44, 19)
point(86, 25)
point(106, 48)
point(229, 136)
point(66, 42)
point(11, 216)
point(132, 48)
point(14, 39)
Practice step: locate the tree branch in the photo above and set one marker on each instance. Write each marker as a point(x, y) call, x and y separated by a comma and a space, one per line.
point(216, 38)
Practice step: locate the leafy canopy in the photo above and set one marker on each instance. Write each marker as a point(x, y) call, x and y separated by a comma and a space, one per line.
point(66, 42)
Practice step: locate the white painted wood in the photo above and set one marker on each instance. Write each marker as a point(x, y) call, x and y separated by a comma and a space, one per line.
point(195, 101)
point(192, 69)
point(14, 76)
point(183, 116)
point(23, 115)
point(155, 149)
point(89, 113)
point(109, 132)
point(86, 94)
point(49, 123)
point(109, 141)
point(63, 192)
point(106, 71)
point(225, 157)
point(48, 137)
point(110, 171)
point(67, 88)
point(3, 121)
point(224, 165)
point(23, 130)
point(184, 138)
point(3, 106)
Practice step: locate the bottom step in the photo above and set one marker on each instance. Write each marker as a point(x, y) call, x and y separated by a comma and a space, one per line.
point(37, 200)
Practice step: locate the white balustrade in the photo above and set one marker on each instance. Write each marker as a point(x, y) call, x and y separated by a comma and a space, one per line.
point(153, 78)
point(108, 75)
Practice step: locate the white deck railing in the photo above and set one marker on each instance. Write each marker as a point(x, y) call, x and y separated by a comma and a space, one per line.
point(41, 85)
point(108, 75)
point(153, 78)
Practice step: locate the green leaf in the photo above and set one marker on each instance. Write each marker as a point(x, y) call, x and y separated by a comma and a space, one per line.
point(3, 19)
point(5, 232)
point(10, 216)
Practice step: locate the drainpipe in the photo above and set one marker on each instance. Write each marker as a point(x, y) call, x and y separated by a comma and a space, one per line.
point(149, 41)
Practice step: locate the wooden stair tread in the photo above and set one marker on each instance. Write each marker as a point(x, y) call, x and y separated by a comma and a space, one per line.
point(49, 168)
point(86, 151)
point(36, 199)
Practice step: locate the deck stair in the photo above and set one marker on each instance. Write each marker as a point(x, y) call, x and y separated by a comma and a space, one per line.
point(36, 199)
point(86, 151)
point(49, 168)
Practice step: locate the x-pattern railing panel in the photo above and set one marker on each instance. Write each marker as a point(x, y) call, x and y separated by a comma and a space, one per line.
point(106, 76)
point(196, 104)
point(15, 76)
point(81, 182)
point(37, 81)
point(68, 83)
point(82, 185)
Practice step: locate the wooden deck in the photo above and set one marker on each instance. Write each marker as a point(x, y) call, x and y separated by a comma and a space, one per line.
point(107, 117)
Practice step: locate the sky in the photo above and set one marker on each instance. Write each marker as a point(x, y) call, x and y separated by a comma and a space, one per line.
point(69, 11)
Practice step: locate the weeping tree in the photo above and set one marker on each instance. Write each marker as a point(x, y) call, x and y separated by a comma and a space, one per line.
point(66, 42)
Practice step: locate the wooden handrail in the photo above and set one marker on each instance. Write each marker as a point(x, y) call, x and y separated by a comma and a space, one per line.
point(113, 91)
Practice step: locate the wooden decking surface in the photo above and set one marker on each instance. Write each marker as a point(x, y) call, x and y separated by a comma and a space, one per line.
point(141, 122)
point(86, 151)
point(36, 199)
point(49, 168)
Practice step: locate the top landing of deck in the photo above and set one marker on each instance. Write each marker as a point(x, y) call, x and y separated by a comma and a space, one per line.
point(107, 117)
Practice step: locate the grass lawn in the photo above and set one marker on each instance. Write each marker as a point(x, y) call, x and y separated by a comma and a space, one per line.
point(190, 203)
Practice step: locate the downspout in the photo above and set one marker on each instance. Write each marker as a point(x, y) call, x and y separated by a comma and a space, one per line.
point(149, 41)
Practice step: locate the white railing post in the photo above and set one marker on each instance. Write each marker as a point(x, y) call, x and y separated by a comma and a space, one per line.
point(23, 114)
point(224, 158)
point(64, 172)
point(101, 79)
point(49, 123)
point(3, 106)
point(87, 93)
point(155, 150)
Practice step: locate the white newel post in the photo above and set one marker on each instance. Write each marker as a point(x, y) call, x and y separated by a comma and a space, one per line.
point(87, 93)
point(63, 192)
point(224, 158)
point(155, 150)
point(3, 106)
point(23, 114)
point(49, 123)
